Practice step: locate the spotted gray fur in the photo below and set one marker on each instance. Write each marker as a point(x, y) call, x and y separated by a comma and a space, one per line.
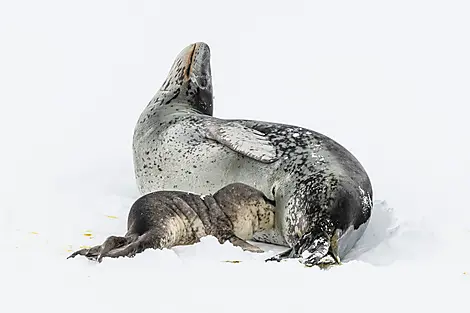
point(164, 219)
point(320, 189)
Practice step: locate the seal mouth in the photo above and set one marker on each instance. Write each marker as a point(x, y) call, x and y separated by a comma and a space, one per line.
point(196, 60)
point(190, 59)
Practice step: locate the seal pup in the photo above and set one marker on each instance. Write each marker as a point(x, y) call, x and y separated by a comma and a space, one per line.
point(164, 219)
point(322, 193)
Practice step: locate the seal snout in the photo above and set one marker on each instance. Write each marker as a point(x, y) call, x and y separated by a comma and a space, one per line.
point(191, 54)
point(199, 64)
point(201, 46)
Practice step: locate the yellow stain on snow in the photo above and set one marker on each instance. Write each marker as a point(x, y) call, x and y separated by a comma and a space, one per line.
point(232, 261)
point(34, 233)
point(111, 216)
point(69, 248)
point(88, 234)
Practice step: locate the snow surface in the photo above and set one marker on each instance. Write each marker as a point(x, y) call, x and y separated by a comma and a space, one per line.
point(389, 81)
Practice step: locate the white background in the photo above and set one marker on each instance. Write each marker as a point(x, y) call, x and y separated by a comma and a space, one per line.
point(389, 80)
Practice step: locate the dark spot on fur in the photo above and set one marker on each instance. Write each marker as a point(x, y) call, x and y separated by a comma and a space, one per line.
point(174, 97)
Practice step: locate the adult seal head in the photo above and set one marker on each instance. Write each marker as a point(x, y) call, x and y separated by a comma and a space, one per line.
point(322, 194)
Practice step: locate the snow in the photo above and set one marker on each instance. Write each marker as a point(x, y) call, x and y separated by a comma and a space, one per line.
point(389, 81)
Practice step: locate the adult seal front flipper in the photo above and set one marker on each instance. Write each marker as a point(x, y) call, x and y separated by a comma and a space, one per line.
point(242, 139)
point(238, 242)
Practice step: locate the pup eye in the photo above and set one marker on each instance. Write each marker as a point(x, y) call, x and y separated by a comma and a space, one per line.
point(269, 201)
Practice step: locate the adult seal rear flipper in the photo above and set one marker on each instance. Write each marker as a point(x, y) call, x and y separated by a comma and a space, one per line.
point(247, 141)
point(314, 248)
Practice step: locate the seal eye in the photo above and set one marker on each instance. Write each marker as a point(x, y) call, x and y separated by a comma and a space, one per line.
point(269, 201)
point(202, 82)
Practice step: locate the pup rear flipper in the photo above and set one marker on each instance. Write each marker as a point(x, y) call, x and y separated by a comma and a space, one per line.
point(96, 253)
point(91, 253)
point(147, 240)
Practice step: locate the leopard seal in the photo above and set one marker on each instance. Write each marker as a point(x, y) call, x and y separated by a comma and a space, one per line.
point(164, 219)
point(323, 194)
